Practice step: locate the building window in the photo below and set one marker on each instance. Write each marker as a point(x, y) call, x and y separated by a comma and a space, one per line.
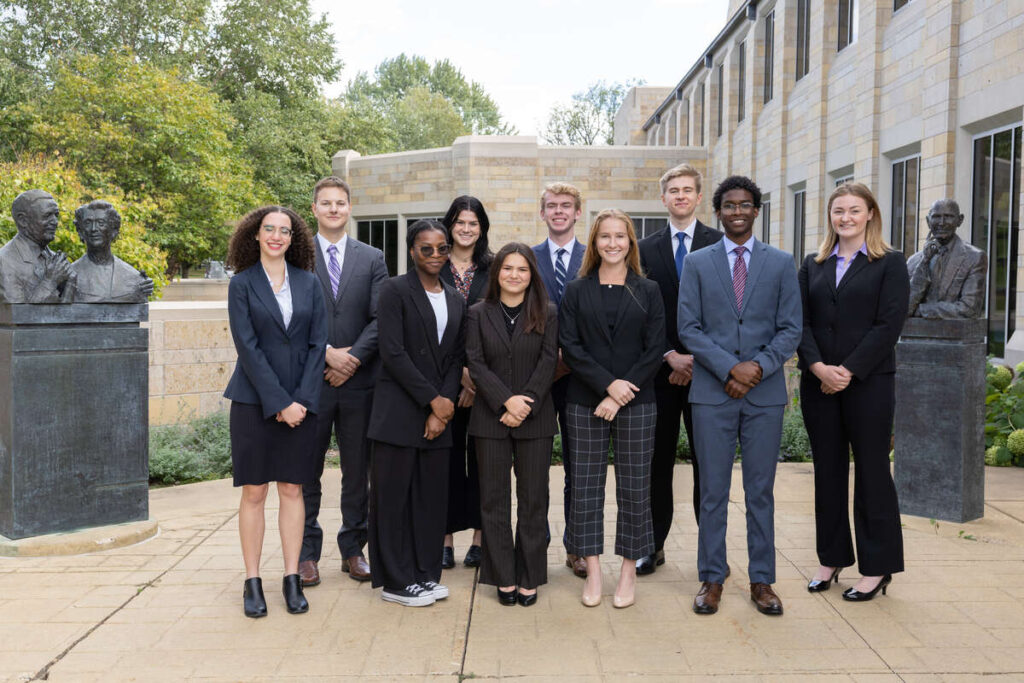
point(684, 129)
point(799, 225)
point(648, 225)
point(383, 234)
point(721, 98)
point(847, 22)
point(766, 219)
point(995, 221)
point(897, 4)
point(803, 38)
point(741, 82)
point(769, 56)
point(844, 179)
point(701, 116)
point(906, 176)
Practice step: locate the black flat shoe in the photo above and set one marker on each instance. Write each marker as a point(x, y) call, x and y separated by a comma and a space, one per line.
point(526, 600)
point(448, 558)
point(294, 600)
point(253, 602)
point(507, 598)
point(816, 586)
point(856, 596)
point(647, 564)
point(473, 556)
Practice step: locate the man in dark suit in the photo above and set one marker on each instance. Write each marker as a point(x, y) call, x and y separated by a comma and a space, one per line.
point(350, 274)
point(740, 316)
point(661, 256)
point(558, 259)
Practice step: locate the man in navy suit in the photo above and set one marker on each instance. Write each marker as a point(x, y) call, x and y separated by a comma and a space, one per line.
point(350, 274)
point(740, 316)
point(558, 259)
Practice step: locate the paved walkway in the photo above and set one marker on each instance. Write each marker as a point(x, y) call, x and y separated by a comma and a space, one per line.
point(169, 609)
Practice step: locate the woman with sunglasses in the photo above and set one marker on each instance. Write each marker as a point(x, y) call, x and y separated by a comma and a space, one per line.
point(467, 269)
point(421, 333)
point(278, 322)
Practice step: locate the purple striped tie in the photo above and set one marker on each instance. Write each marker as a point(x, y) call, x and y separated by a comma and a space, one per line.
point(334, 269)
point(739, 276)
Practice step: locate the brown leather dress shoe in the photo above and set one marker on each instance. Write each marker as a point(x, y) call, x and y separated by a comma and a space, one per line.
point(309, 573)
point(765, 598)
point(357, 567)
point(708, 597)
point(577, 564)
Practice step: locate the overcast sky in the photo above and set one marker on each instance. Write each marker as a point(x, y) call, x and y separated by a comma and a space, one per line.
point(531, 54)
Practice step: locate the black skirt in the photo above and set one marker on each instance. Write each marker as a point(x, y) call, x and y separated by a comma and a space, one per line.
point(264, 450)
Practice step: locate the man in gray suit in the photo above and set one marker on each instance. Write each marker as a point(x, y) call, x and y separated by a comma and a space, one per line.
point(740, 316)
point(947, 277)
point(350, 273)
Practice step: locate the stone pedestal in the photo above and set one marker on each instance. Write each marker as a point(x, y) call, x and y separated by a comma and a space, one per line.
point(74, 435)
point(940, 419)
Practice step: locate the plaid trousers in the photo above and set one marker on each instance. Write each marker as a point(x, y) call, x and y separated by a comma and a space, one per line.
point(632, 435)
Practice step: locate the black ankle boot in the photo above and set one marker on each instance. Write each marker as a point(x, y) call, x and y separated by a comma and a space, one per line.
point(294, 600)
point(253, 602)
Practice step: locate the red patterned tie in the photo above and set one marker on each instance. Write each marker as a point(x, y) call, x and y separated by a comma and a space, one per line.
point(739, 276)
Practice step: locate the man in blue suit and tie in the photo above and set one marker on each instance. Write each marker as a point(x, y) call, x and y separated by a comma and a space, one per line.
point(740, 316)
point(559, 258)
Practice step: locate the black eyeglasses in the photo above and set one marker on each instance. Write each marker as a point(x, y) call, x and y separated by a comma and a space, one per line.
point(729, 207)
point(427, 250)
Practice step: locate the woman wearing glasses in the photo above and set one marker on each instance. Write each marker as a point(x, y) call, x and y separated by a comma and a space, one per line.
point(421, 332)
point(467, 270)
point(612, 329)
point(279, 326)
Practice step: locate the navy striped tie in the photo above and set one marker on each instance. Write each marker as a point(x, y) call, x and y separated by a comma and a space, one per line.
point(560, 272)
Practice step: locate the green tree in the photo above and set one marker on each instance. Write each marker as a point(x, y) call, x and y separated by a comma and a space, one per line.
point(590, 117)
point(145, 130)
point(424, 119)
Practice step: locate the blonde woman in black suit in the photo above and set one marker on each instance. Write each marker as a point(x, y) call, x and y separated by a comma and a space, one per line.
point(611, 326)
point(512, 350)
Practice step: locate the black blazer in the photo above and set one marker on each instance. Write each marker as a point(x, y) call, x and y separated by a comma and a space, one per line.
point(632, 351)
point(857, 324)
point(658, 261)
point(502, 367)
point(276, 366)
point(414, 367)
point(352, 315)
point(476, 288)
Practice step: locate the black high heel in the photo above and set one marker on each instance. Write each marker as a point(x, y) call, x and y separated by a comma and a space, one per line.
point(527, 600)
point(856, 596)
point(507, 598)
point(818, 585)
point(253, 602)
point(294, 600)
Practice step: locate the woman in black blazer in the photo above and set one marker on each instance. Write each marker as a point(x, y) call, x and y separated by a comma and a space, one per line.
point(512, 350)
point(466, 271)
point(279, 326)
point(855, 294)
point(612, 331)
point(421, 338)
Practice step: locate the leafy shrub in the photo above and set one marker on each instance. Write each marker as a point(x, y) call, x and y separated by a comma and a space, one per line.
point(197, 450)
point(795, 445)
point(1004, 416)
point(998, 456)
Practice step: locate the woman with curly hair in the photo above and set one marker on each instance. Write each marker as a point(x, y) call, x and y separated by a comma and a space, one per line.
point(279, 325)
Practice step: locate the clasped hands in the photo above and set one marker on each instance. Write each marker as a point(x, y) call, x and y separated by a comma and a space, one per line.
point(834, 378)
point(742, 378)
point(682, 368)
point(341, 365)
point(441, 411)
point(517, 409)
point(293, 415)
point(620, 392)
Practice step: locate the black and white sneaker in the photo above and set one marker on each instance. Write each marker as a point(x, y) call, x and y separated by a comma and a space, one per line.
point(439, 591)
point(413, 595)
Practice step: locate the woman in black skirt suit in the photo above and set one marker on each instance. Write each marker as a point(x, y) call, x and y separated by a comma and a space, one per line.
point(421, 327)
point(278, 323)
point(467, 271)
point(512, 350)
point(855, 294)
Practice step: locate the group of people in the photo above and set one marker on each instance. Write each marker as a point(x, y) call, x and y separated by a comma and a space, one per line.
point(441, 383)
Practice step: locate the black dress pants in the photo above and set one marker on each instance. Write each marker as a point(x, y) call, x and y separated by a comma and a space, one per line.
point(519, 561)
point(463, 478)
point(408, 498)
point(347, 414)
point(672, 400)
point(860, 417)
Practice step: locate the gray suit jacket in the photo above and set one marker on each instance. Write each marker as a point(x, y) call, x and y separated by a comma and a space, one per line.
point(352, 315)
point(960, 291)
point(766, 329)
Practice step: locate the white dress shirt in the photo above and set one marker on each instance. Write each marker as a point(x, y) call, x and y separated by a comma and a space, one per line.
point(324, 243)
point(687, 233)
point(553, 252)
point(731, 255)
point(284, 297)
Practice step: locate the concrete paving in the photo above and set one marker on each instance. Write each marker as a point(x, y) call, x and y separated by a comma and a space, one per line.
point(169, 609)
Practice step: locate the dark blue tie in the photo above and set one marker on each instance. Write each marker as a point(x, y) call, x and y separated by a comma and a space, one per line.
point(561, 274)
point(680, 254)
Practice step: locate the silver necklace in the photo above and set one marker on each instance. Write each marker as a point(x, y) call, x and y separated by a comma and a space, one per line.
point(511, 319)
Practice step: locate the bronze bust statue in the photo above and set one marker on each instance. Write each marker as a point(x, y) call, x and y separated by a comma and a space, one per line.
point(30, 272)
point(947, 277)
point(102, 277)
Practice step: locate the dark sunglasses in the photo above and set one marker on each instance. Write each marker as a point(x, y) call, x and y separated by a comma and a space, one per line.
point(427, 250)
